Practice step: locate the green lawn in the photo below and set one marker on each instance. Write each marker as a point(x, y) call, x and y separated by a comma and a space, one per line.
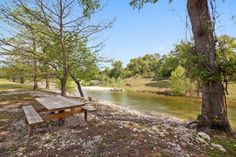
point(146, 84)
point(5, 85)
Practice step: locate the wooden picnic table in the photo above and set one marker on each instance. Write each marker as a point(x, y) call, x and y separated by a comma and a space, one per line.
point(56, 103)
point(58, 107)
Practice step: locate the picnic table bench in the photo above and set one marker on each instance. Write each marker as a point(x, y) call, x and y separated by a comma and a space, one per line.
point(58, 107)
point(32, 118)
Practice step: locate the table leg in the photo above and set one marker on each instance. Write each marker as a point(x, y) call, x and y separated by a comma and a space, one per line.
point(61, 121)
point(86, 116)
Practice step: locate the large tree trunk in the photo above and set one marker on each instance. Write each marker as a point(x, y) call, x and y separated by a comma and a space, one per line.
point(78, 85)
point(214, 113)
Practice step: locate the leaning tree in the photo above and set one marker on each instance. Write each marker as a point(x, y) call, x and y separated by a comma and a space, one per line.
point(214, 111)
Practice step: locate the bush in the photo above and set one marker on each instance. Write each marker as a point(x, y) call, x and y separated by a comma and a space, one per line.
point(70, 86)
point(179, 84)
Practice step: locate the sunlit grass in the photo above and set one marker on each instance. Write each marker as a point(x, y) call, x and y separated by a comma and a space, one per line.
point(144, 83)
point(232, 93)
point(5, 85)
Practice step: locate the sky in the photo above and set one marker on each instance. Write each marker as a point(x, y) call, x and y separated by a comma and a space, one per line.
point(154, 29)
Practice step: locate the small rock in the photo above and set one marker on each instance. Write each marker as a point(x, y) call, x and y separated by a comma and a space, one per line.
point(135, 130)
point(134, 143)
point(217, 146)
point(204, 135)
point(186, 155)
point(97, 138)
point(154, 128)
point(161, 134)
point(178, 148)
point(201, 140)
point(193, 125)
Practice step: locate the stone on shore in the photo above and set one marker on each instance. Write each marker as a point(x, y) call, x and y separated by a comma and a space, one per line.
point(217, 146)
point(204, 135)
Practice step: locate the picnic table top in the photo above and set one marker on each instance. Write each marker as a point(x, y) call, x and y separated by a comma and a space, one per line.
point(58, 102)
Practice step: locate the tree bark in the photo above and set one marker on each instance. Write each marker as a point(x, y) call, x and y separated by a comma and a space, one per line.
point(214, 112)
point(47, 77)
point(35, 77)
point(22, 80)
point(63, 86)
point(63, 52)
point(78, 85)
point(35, 80)
point(47, 82)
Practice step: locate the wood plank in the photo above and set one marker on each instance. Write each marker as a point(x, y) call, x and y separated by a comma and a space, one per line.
point(68, 100)
point(63, 103)
point(31, 115)
point(54, 103)
point(89, 108)
point(49, 103)
point(57, 116)
point(41, 110)
point(28, 114)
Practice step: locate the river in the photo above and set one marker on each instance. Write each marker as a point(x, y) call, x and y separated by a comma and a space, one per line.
point(152, 104)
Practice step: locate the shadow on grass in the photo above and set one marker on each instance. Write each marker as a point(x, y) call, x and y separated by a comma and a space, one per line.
point(12, 86)
point(159, 84)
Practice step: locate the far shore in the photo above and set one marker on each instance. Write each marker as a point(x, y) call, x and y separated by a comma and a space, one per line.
point(97, 88)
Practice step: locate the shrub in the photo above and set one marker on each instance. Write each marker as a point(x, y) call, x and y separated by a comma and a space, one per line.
point(179, 83)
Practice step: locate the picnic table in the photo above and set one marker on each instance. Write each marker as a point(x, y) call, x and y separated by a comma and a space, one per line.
point(56, 108)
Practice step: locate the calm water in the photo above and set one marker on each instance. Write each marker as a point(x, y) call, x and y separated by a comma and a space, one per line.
point(184, 108)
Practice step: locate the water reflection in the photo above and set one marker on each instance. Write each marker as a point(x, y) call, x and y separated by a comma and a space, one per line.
point(181, 107)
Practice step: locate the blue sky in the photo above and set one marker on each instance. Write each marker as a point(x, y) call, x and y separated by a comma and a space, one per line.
point(155, 28)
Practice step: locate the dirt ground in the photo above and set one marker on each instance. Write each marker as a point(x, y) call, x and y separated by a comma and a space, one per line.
point(110, 131)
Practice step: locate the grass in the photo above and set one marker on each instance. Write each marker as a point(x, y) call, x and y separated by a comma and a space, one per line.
point(145, 83)
point(12, 101)
point(14, 97)
point(229, 143)
point(232, 93)
point(11, 86)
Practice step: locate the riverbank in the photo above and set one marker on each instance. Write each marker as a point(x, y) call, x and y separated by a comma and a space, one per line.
point(142, 85)
point(98, 88)
point(147, 85)
point(160, 86)
point(111, 131)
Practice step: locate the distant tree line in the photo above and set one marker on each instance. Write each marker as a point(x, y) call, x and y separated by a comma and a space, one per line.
point(180, 66)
